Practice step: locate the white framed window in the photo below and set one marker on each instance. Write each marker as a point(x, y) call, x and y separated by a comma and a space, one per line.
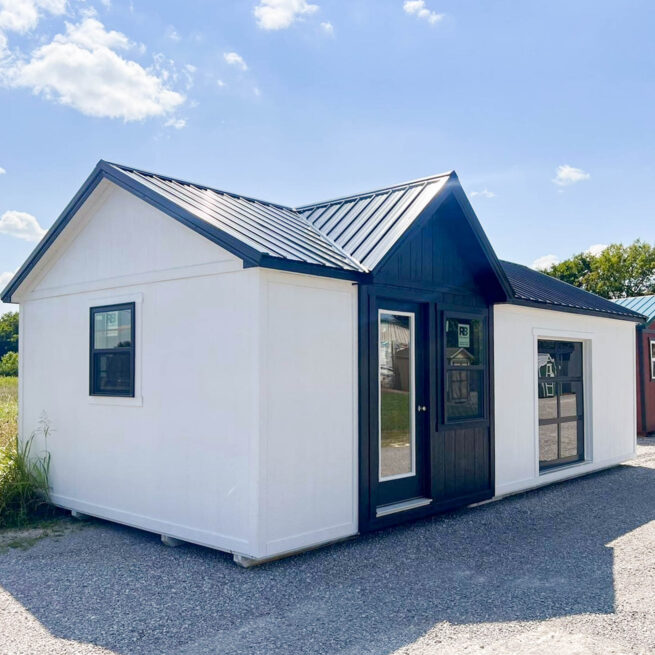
point(652, 359)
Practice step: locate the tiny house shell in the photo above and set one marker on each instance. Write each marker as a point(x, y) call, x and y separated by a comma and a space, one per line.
point(262, 379)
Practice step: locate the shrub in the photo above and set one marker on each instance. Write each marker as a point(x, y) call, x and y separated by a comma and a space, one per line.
point(9, 364)
point(24, 481)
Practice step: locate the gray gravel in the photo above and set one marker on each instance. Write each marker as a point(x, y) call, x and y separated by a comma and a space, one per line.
point(567, 569)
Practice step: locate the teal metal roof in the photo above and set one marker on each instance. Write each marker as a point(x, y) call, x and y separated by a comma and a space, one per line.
point(643, 304)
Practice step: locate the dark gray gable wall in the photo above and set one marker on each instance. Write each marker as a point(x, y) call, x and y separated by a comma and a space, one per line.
point(445, 263)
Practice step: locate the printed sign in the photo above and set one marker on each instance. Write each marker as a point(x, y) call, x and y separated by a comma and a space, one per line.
point(463, 335)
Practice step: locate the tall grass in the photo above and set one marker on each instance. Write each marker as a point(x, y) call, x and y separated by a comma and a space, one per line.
point(8, 410)
point(24, 479)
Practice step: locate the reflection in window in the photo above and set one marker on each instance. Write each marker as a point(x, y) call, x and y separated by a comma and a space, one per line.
point(396, 380)
point(464, 368)
point(560, 399)
point(112, 350)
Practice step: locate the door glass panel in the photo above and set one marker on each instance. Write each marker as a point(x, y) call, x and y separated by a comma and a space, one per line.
point(570, 359)
point(396, 382)
point(568, 437)
point(548, 443)
point(464, 341)
point(464, 394)
point(570, 401)
point(547, 399)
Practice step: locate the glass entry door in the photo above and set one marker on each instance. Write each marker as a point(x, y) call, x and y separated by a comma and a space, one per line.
point(402, 402)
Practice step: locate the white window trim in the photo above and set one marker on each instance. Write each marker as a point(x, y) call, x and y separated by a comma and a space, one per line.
point(137, 299)
point(586, 338)
point(412, 414)
point(651, 343)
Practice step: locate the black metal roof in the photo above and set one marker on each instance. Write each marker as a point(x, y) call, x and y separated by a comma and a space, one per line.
point(531, 287)
point(367, 225)
point(347, 237)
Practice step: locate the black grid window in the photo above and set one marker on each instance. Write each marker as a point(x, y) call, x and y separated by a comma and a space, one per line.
point(464, 368)
point(561, 403)
point(112, 351)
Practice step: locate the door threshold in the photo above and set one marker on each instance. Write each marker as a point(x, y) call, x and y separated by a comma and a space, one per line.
point(402, 506)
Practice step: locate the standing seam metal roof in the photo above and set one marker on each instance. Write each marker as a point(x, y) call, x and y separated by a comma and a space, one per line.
point(643, 304)
point(535, 287)
point(366, 226)
point(268, 228)
point(344, 236)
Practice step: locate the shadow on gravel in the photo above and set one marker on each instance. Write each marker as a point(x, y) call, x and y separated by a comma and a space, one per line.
point(535, 556)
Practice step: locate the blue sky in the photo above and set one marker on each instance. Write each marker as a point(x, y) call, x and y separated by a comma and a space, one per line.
point(545, 110)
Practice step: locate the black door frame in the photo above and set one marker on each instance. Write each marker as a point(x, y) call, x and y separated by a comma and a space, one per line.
point(438, 303)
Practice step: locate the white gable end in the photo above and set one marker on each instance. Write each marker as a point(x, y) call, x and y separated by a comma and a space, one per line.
point(117, 239)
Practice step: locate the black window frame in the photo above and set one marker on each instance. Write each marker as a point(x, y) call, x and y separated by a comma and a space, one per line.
point(578, 419)
point(482, 366)
point(129, 349)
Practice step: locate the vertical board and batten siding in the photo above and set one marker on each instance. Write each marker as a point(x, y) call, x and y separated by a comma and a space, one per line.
point(609, 390)
point(308, 421)
point(441, 266)
point(179, 458)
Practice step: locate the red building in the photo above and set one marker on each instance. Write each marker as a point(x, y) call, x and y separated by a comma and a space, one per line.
point(645, 362)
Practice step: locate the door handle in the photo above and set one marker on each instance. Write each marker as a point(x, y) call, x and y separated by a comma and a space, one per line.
point(421, 408)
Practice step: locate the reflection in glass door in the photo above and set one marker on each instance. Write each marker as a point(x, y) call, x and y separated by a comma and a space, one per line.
point(396, 357)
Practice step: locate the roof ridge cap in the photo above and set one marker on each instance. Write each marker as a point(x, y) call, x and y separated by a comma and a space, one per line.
point(373, 192)
point(169, 178)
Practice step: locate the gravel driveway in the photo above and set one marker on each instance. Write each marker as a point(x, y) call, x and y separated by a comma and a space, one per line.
point(568, 569)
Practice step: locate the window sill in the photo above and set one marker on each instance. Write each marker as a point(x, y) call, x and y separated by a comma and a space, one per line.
point(116, 401)
point(564, 467)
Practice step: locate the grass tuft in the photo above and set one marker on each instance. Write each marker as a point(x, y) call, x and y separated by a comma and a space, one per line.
point(8, 410)
point(24, 484)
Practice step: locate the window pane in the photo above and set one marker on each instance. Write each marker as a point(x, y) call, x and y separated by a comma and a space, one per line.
point(547, 399)
point(546, 359)
point(112, 373)
point(568, 436)
point(464, 342)
point(570, 402)
point(113, 329)
point(569, 359)
point(396, 394)
point(652, 360)
point(464, 394)
point(548, 443)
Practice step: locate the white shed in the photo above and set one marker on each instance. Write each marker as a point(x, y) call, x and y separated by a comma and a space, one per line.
point(262, 379)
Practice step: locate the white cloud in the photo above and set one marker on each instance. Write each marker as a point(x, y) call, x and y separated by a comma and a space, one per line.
point(280, 14)
point(23, 15)
point(235, 59)
point(21, 225)
point(220, 83)
point(485, 193)
point(327, 27)
point(567, 175)
point(177, 123)
point(81, 69)
point(596, 249)
point(545, 262)
point(418, 9)
point(171, 33)
point(2, 171)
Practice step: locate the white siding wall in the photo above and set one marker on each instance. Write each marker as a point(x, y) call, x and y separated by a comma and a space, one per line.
point(180, 458)
point(609, 385)
point(308, 424)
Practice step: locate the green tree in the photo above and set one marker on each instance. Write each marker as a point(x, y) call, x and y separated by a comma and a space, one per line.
point(8, 333)
point(9, 364)
point(617, 272)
